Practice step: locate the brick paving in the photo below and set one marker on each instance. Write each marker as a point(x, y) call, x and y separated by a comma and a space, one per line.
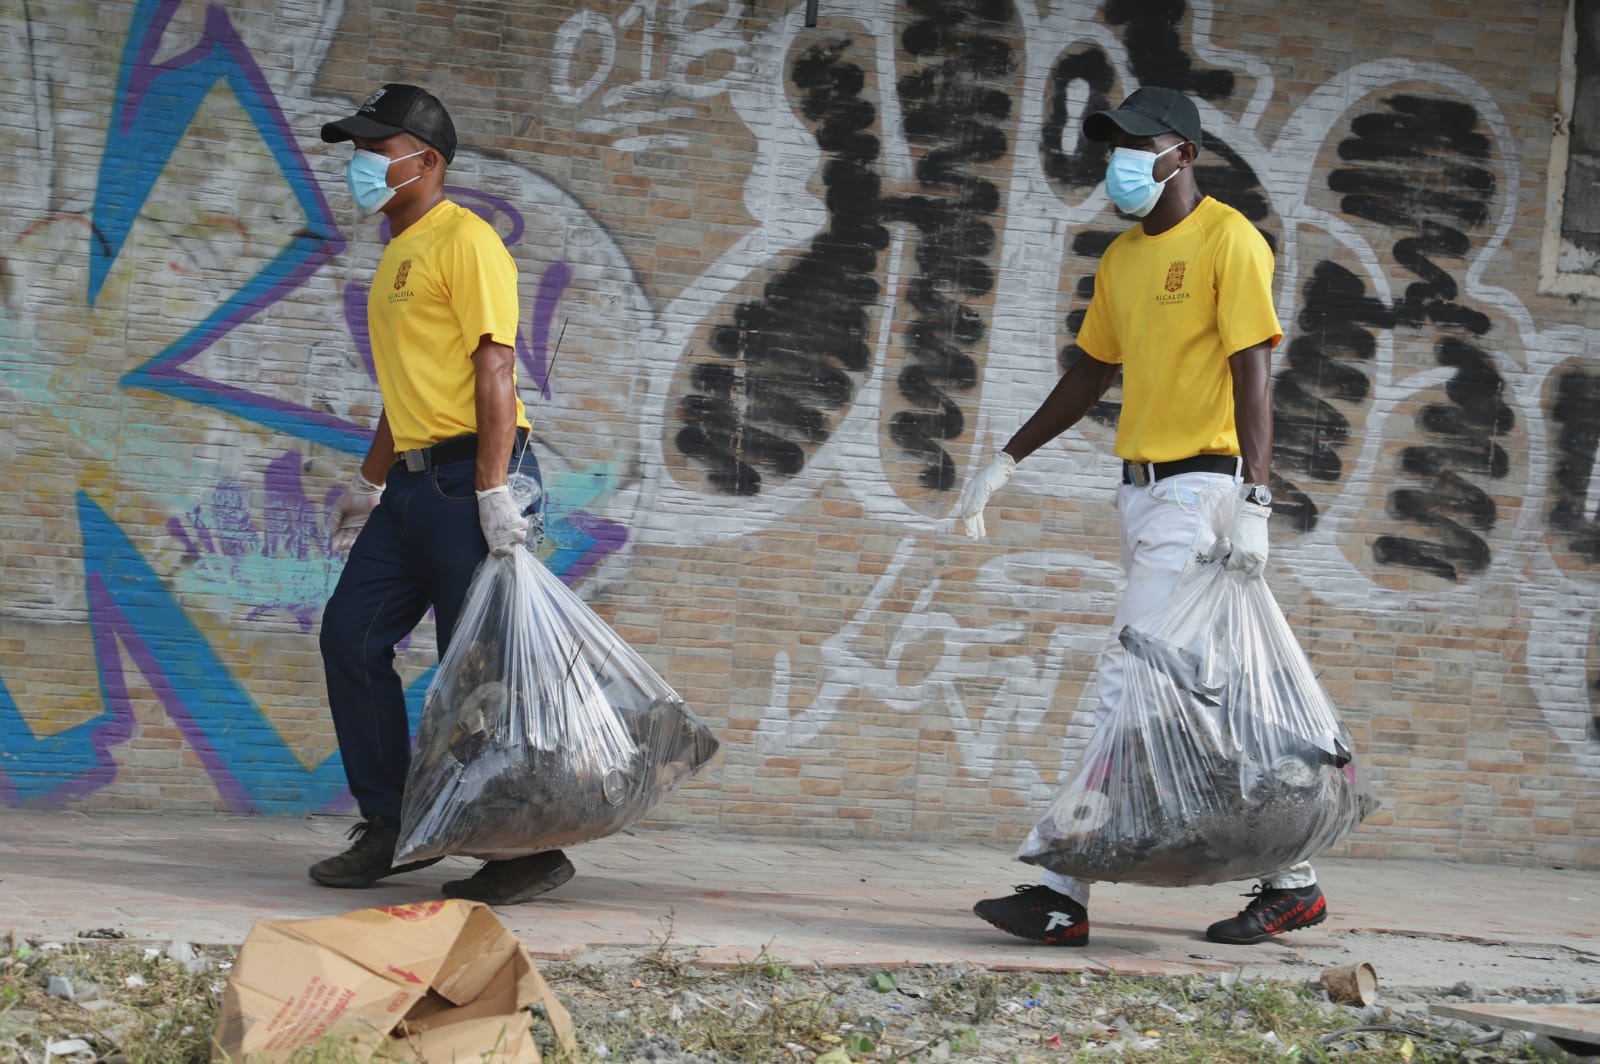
point(731, 898)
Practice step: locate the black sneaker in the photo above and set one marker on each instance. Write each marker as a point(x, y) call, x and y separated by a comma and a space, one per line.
point(1271, 912)
point(370, 859)
point(513, 881)
point(1038, 913)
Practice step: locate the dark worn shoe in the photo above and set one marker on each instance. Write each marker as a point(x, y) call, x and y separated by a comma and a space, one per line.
point(370, 859)
point(513, 881)
point(1040, 914)
point(1271, 912)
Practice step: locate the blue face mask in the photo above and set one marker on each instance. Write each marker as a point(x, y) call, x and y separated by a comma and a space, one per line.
point(1131, 179)
point(368, 178)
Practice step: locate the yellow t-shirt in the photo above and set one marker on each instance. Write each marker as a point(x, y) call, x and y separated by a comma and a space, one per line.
point(1171, 309)
point(442, 285)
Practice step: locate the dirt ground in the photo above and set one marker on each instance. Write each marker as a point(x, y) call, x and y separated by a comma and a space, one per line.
point(130, 1002)
point(658, 1007)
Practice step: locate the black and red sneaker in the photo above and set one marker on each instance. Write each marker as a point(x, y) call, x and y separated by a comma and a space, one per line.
point(1040, 914)
point(1271, 912)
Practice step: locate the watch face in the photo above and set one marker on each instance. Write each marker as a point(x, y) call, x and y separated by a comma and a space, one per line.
point(1261, 495)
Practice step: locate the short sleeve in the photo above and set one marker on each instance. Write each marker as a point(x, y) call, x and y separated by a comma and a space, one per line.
point(1098, 335)
point(483, 286)
point(1243, 272)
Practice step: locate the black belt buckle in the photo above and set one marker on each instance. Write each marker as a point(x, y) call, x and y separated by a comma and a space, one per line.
point(1140, 474)
point(458, 449)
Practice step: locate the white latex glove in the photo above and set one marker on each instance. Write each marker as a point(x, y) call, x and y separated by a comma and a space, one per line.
point(976, 494)
point(351, 510)
point(503, 524)
point(1248, 538)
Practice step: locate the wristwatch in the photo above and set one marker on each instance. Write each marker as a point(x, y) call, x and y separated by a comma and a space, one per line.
point(1259, 494)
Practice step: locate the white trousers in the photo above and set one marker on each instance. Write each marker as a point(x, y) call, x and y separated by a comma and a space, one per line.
point(1164, 526)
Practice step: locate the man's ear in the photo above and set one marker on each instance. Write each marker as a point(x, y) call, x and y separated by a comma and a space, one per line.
point(1188, 151)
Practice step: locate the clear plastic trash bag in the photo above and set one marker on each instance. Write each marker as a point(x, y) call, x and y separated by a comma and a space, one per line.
point(1224, 760)
point(542, 727)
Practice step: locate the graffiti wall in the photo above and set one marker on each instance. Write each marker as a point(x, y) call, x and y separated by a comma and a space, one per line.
point(784, 288)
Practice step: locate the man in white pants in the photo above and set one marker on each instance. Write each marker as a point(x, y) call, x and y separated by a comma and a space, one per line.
point(1183, 305)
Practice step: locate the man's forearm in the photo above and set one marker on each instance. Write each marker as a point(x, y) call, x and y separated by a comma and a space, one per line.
point(496, 403)
point(1078, 389)
point(1252, 410)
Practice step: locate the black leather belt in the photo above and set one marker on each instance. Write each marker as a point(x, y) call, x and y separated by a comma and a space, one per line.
point(1141, 473)
point(460, 449)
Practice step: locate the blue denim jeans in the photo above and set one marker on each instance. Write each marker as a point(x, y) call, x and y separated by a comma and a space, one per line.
point(419, 548)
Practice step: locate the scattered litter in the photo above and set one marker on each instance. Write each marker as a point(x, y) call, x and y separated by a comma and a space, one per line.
point(439, 978)
point(882, 982)
point(1351, 984)
point(61, 987)
point(102, 932)
point(67, 1047)
point(180, 952)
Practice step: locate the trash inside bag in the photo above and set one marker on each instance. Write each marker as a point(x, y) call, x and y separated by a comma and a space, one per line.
point(1224, 760)
point(542, 727)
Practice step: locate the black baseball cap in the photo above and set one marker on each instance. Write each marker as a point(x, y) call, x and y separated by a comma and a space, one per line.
point(398, 109)
point(1145, 113)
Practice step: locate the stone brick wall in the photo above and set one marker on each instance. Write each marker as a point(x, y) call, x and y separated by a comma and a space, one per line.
point(784, 289)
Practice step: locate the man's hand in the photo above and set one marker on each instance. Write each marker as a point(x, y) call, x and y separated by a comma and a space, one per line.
point(503, 524)
point(976, 494)
point(351, 510)
point(1249, 539)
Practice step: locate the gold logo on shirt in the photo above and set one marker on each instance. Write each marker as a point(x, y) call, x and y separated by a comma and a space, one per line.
point(1174, 274)
point(405, 268)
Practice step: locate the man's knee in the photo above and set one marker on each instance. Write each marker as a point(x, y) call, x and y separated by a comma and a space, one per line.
point(338, 636)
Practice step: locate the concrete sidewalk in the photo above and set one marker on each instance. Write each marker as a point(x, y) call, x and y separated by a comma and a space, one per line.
point(866, 903)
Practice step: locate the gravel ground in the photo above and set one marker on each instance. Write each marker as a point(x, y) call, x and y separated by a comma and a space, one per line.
point(124, 1002)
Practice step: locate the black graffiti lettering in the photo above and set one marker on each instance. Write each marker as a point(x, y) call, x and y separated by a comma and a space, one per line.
point(1448, 507)
point(1155, 48)
point(952, 116)
point(1085, 166)
point(1417, 172)
point(1325, 361)
point(785, 364)
point(1576, 413)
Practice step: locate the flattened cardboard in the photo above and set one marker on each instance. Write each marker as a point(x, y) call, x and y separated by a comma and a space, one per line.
point(434, 981)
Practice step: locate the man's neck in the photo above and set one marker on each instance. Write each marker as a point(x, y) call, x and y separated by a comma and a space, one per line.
point(1177, 203)
point(404, 216)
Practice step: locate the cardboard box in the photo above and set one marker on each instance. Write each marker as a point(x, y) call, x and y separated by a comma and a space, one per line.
point(433, 982)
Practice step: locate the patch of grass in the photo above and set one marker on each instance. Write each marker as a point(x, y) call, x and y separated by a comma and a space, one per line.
point(669, 963)
point(765, 1011)
point(139, 1008)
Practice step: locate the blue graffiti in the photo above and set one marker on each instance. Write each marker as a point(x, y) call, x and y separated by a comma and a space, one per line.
point(132, 613)
point(133, 616)
point(252, 767)
point(59, 767)
point(154, 106)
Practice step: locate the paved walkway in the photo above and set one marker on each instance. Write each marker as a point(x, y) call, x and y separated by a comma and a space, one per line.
point(207, 879)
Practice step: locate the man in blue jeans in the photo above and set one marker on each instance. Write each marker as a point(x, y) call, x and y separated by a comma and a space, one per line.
point(431, 500)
